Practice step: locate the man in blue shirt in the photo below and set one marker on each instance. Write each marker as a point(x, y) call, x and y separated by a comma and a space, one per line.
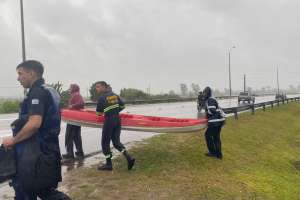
point(35, 137)
point(111, 104)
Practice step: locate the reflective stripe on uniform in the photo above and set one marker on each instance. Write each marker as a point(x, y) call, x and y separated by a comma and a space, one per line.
point(108, 156)
point(111, 107)
point(208, 111)
point(211, 107)
point(216, 120)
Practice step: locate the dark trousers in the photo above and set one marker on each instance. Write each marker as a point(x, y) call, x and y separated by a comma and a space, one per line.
point(111, 132)
point(73, 135)
point(213, 140)
point(47, 194)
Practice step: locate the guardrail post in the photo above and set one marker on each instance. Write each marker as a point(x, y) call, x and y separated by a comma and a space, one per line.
point(235, 113)
point(264, 107)
point(277, 102)
point(287, 100)
point(272, 104)
point(282, 101)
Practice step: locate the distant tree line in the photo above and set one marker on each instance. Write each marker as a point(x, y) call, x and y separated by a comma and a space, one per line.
point(185, 91)
point(12, 106)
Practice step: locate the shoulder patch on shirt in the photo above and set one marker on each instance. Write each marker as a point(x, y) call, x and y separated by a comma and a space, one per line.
point(35, 101)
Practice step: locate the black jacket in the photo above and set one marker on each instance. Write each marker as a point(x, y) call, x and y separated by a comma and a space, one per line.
point(213, 112)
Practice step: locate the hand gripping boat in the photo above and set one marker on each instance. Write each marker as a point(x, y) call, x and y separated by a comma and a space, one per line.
point(135, 122)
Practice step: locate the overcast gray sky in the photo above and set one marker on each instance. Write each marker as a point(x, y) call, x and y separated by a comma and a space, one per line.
point(157, 43)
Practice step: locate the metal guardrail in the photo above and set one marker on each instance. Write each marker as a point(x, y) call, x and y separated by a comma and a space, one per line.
point(263, 105)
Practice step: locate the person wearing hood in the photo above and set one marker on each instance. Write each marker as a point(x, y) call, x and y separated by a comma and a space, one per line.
point(215, 121)
point(73, 132)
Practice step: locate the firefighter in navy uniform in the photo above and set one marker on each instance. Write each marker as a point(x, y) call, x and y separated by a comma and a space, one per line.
point(35, 138)
point(216, 120)
point(110, 104)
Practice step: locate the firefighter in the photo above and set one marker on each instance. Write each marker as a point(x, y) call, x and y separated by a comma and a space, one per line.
point(110, 105)
point(216, 120)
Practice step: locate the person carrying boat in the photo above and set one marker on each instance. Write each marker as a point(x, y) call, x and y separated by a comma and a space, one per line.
point(200, 105)
point(73, 132)
point(216, 119)
point(111, 104)
point(35, 138)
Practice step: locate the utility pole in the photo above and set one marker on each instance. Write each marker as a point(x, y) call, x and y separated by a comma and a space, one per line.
point(229, 69)
point(277, 82)
point(244, 82)
point(23, 38)
point(22, 31)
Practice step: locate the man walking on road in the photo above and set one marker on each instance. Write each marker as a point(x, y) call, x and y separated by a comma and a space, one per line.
point(35, 138)
point(73, 132)
point(111, 104)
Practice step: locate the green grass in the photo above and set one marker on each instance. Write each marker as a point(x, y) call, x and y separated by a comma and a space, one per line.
point(259, 155)
point(9, 106)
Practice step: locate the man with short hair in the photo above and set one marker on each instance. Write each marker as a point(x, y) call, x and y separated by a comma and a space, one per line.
point(111, 104)
point(35, 137)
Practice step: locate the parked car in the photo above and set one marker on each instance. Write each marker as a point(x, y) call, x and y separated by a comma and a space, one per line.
point(246, 97)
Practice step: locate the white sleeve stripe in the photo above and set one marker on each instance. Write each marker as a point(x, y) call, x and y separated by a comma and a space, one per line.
point(211, 107)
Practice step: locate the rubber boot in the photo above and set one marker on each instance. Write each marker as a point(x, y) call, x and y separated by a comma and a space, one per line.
point(130, 160)
point(107, 166)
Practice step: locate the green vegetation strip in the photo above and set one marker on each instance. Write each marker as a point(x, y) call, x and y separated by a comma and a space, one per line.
point(9, 106)
point(261, 157)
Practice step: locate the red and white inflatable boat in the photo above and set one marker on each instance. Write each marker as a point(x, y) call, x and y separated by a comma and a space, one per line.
point(135, 122)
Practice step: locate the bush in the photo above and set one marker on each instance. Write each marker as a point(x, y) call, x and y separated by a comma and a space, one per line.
point(10, 106)
point(64, 94)
point(64, 98)
point(133, 94)
point(93, 93)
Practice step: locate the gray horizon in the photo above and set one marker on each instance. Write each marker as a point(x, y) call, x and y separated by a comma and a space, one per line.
point(156, 44)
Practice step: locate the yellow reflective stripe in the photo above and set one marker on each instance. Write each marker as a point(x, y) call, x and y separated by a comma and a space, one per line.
point(108, 156)
point(111, 107)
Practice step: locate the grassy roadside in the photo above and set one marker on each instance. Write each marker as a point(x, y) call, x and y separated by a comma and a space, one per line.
point(260, 160)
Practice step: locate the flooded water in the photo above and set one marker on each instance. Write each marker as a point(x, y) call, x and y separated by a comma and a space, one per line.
point(91, 137)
